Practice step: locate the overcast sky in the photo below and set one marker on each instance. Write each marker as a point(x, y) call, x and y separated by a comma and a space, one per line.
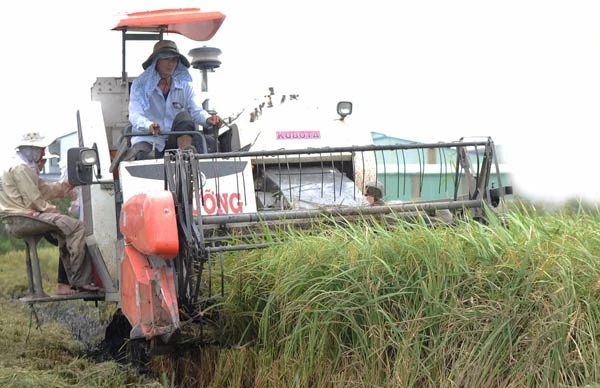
point(524, 72)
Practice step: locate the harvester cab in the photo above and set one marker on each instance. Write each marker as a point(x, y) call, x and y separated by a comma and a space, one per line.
point(160, 227)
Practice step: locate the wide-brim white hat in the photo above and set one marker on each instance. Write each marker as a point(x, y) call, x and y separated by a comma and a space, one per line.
point(34, 139)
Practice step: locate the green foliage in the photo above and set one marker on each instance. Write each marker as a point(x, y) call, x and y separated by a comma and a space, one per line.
point(514, 303)
point(7, 243)
point(63, 204)
point(470, 305)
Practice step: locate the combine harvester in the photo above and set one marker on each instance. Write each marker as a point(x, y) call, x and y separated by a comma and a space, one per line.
point(158, 229)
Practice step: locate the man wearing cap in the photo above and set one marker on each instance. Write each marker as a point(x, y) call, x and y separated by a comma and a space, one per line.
point(24, 192)
point(163, 100)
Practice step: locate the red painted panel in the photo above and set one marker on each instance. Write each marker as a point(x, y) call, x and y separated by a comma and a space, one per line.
point(148, 296)
point(148, 222)
point(189, 22)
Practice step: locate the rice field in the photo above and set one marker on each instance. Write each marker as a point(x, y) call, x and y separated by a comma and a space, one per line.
point(509, 304)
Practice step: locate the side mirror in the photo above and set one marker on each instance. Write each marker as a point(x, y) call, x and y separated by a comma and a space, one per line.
point(344, 108)
point(80, 165)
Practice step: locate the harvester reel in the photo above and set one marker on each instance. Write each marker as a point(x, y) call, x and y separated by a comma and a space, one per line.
point(183, 181)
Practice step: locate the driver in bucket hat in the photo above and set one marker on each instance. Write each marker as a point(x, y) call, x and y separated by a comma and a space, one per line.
point(23, 192)
point(163, 99)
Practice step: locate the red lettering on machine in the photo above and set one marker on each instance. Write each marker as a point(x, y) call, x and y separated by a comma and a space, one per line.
point(222, 203)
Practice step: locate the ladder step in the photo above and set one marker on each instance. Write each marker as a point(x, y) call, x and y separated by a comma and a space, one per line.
point(87, 296)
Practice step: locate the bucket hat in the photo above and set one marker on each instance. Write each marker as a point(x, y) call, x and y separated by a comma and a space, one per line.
point(34, 139)
point(165, 47)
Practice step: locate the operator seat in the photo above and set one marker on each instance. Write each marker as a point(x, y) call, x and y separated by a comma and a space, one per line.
point(228, 141)
point(127, 152)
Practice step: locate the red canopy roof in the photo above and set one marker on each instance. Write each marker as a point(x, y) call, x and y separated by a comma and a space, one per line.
point(189, 22)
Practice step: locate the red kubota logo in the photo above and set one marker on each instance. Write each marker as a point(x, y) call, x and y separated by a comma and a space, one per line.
point(222, 203)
